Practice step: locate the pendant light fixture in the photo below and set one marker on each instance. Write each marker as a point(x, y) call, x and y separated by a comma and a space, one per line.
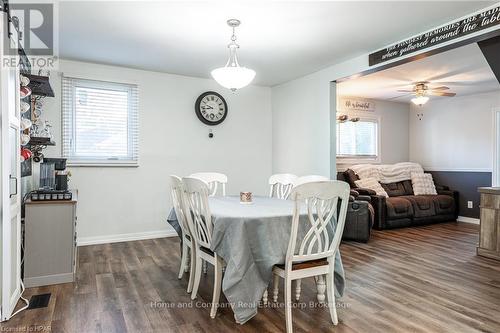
point(233, 76)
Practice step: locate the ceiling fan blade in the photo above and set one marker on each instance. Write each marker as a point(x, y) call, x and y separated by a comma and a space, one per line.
point(409, 91)
point(440, 88)
point(438, 93)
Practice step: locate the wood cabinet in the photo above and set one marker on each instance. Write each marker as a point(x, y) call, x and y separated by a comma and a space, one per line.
point(489, 237)
point(50, 242)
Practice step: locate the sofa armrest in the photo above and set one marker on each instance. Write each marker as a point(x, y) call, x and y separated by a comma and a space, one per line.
point(365, 191)
point(379, 206)
point(366, 198)
point(453, 194)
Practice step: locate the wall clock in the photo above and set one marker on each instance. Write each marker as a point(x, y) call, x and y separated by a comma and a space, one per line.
point(211, 108)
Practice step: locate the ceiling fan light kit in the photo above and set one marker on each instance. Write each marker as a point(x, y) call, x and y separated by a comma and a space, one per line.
point(232, 75)
point(420, 100)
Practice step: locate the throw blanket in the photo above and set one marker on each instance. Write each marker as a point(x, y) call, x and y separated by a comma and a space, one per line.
point(387, 173)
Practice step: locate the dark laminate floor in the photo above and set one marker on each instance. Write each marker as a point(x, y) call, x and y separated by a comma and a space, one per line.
point(425, 279)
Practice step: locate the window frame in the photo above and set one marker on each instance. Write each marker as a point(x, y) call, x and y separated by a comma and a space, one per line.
point(69, 149)
point(359, 159)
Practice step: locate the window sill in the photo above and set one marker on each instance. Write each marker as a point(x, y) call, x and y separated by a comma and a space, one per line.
point(102, 164)
point(344, 163)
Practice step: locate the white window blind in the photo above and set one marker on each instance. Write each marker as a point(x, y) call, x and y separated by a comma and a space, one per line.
point(100, 122)
point(358, 139)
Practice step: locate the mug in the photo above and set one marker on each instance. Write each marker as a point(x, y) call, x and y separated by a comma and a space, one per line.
point(246, 197)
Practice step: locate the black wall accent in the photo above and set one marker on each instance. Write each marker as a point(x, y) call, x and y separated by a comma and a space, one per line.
point(466, 183)
point(491, 51)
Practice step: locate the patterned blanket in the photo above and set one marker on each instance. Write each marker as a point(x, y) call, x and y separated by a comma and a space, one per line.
point(387, 173)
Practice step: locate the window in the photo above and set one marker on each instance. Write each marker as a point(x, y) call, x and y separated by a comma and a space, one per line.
point(358, 140)
point(100, 125)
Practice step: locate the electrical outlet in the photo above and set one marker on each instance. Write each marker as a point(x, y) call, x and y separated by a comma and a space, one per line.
point(470, 204)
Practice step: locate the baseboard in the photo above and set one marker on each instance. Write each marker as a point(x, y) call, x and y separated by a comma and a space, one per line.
point(82, 241)
point(36, 281)
point(468, 219)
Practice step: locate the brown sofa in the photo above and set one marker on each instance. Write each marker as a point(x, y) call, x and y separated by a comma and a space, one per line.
point(403, 209)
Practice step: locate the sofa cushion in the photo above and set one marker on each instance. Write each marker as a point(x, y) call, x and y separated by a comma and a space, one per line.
point(423, 205)
point(398, 189)
point(444, 204)
point(398, 207)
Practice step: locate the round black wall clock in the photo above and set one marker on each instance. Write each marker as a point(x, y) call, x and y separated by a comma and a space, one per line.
point(211, 108)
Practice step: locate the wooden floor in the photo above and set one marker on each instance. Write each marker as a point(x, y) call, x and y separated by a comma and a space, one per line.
point(425, 279)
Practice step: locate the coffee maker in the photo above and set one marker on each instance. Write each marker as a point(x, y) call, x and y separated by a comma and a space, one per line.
point(53, 181)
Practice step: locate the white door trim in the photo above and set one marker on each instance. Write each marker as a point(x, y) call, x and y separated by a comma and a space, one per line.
point(496, 147)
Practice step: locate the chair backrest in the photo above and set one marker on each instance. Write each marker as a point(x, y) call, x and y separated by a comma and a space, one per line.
point(177, 192)
point(325, 220)
point(281, 185)
point(199, 217)
point(309, 179)
point(213, 179)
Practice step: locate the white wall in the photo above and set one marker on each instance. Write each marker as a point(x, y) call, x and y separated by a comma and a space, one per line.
point(394, 129)
point(119, 202)
point(455, 134)
point(301, 120)
point(303, 112)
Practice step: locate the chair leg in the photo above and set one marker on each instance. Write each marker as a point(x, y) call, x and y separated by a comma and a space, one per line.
point(197, 277)
point(297, 289)
point(276, 284)
point(192, 270)
point(188, 260)
point(320, 286)
point(184, 255)
point(330, 289)
point(217, 286)
point(264, 297)
point(288, 305)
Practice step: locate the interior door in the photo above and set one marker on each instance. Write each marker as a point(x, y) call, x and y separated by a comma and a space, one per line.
point(10, 182)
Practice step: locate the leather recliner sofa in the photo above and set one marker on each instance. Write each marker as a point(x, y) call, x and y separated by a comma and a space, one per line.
point(403, 209)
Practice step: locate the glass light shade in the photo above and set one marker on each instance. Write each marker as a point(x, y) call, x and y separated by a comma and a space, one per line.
point(420, 100)
point(233, 77)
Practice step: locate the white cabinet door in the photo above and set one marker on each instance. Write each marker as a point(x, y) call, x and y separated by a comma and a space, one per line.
point(10, 183)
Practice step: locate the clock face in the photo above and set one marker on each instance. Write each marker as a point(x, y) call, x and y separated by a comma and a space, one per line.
point(211, 108)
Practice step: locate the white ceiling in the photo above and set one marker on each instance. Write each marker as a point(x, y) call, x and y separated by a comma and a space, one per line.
point(280, 40)
point(464, 70)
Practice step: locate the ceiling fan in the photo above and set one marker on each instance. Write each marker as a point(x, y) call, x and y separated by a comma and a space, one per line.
point(421, 90)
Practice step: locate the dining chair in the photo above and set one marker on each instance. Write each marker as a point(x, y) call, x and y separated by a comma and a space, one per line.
point(281, 185)
point(188, 245)
point(309, 179)
point(213, 179)
point(200, 221)
point(313, 255)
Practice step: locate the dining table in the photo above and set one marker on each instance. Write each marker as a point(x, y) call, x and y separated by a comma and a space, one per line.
point(251, 239)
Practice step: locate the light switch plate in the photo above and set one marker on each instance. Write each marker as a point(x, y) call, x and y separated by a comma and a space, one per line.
point(470, 204)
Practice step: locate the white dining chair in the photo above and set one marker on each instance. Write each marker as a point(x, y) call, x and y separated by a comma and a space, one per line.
point(309, 179)
point(315, 254)
point(188, 245)
point(200, 221)
point(280, 185)
point(214, 180)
